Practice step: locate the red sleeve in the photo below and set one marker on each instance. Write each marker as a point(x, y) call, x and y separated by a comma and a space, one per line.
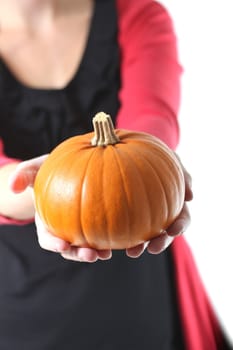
point(202, 328)
point(150, 71)
point(3, 161)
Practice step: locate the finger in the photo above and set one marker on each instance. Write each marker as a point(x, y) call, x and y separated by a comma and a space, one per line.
point(80, 254)
point(47, 240)
point(135, 252)
point(25, 173)
point(21, 179)
point(181, 224)
point(159, 244)
point(104, 254)
point(188, 185)
point(188, 181)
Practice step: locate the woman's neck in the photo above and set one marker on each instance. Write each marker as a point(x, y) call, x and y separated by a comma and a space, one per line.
point(36, 15)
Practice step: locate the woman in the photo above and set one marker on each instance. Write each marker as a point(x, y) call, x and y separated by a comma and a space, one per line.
point(61, 62)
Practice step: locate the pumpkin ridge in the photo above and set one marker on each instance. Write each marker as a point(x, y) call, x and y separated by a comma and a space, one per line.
point(155, 174)
point(85, 234)
point(144, 155)
point(108, 234)
point(46, 188)
point(130, 156)
point(161, 178)
point(81, 141)
point(69, 153)
point(170, 165)
point(116, 155)
point(146, 140)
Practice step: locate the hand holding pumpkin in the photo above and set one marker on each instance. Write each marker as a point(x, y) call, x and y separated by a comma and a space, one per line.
point(107, 190)
point(180, 225)
point(23, 177)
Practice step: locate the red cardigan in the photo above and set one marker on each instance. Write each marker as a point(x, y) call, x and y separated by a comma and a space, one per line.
point(150, 99)
point(150, 95)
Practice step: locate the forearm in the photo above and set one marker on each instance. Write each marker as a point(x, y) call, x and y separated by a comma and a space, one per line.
point(150, 81)
point(14, 206)
point(165, 128)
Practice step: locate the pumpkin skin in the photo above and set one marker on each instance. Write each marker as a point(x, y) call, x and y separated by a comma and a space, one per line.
point(92, 193)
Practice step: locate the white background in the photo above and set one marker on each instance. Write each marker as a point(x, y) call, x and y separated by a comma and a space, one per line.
point(205, 41)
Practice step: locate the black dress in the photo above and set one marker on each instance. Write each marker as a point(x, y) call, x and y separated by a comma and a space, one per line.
point(46, 302)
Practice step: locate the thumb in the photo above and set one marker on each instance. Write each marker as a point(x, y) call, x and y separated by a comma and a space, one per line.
point(25, 173)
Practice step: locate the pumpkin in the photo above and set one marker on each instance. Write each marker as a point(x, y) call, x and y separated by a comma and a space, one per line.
point(111, 188)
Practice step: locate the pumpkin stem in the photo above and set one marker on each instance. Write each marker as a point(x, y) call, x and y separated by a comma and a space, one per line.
point(104, 130)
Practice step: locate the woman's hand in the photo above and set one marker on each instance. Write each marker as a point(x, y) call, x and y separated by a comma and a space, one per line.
point(55, 244)
point(160, 243)
point(24, 177)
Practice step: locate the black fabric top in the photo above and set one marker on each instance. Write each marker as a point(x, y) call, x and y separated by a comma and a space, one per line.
point(33, 121)
point(47, 302)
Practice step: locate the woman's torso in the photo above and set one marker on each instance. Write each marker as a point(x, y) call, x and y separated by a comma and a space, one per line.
point(47, 302)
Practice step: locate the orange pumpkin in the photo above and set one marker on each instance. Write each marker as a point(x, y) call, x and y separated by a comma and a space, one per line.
point(109, 188)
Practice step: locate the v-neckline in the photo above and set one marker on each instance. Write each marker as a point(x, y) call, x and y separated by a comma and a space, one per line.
point(76, 73)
